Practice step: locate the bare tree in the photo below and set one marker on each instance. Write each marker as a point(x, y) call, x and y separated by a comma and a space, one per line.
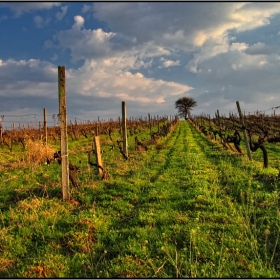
point(184, 106)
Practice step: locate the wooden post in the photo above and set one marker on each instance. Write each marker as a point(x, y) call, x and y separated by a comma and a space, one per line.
point(96, 129)
point(63, 132)
point(150, 125)
point(124, 131)
point(219, 123)
point(120, 126)
point(45, 126)
point(39, 131)
point(98, 154)
point(244, 131)
point(1, 132)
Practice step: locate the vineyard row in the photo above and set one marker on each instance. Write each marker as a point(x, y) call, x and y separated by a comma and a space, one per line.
point(258, 128)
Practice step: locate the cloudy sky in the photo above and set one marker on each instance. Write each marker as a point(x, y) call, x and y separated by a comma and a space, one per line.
point(147, 54)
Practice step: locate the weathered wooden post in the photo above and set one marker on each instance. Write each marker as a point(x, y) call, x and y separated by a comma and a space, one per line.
point(124, 131)
point(63, 132)
point(1, 133)
point(219, 122)
point(120, 126)
point(45, 126)
point(39, 136)
point(244, 131)
point(150, 125)
point(98, 154)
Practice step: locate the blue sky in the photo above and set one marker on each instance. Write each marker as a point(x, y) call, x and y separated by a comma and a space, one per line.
point(148, 54)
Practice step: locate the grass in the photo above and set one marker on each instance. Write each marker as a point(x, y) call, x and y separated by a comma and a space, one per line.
point(180, 209)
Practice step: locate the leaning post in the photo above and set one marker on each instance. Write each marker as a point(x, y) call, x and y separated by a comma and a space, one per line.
point(63, 132)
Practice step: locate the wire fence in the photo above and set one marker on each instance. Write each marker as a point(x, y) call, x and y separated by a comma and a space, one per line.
point(8, 122)
point(36, 121)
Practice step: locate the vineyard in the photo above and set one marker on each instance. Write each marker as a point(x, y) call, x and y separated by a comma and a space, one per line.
point(261, 129)
point(184, 201)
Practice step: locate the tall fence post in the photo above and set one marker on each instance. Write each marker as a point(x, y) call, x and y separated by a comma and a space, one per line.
point(63, 132)
point(219, 122)
point(39, 134)
point(120, 126)
point(244, 131)
point(45, 126)
point(1, 133)
point(150, 125)
point(124, 131)
point(98, 154)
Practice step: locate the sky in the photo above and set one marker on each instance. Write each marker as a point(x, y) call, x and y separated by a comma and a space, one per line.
point(148, 54)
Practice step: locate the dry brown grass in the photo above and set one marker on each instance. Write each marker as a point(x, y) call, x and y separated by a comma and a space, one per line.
point(159, 146)
point(6, 264)
point(37, 151)
point(140, 149)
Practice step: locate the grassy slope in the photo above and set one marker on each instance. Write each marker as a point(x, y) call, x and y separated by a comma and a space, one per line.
point(181, 210)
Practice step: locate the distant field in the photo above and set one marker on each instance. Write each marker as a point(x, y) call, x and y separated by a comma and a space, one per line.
point(185, 207)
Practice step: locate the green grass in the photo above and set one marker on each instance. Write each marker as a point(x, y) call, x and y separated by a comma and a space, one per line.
point(180, 209)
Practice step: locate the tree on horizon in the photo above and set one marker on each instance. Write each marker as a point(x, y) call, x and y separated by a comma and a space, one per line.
point(184, 106)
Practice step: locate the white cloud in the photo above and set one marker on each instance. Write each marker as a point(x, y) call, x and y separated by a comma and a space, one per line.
point(21, 7)
point(214, 20)
point(27, 78)
point(87, 44)
point(84, 44)
point(102, 80)
point(200, 27)
point(146, 36)
point(79, 22)
point(86, 8)
point(111, 58)
point(107, 78)
point(49, 44)
point(210, 49)
point(261, 48)
point(242, 76)
point(238, 46)
point(40, 22)
point(169, 63)
point(60, 15)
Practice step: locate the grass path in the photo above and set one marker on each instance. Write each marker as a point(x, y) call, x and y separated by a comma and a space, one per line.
point(181, 209)
point(186, 222)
